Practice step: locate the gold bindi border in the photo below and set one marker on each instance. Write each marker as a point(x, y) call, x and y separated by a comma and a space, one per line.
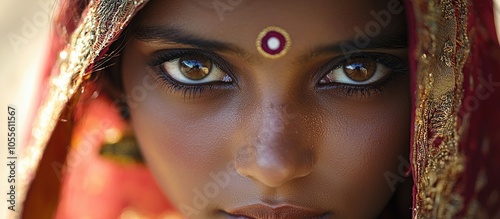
point(263, 33)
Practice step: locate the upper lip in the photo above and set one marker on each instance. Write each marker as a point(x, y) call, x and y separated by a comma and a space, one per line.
point(260, 211)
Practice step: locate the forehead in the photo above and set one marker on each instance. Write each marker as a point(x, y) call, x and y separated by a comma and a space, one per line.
point(221, 15)
point(311, 24)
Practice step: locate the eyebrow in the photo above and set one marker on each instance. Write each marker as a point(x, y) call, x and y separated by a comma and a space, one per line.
point(381, 41)
point(172, 35)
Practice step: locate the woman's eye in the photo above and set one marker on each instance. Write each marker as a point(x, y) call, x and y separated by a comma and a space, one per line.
point(192, 69)
point(356, 71)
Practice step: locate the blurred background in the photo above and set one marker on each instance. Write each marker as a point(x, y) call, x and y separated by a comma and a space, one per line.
point(24, 27)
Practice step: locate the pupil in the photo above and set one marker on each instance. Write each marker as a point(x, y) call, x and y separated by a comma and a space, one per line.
point(195, 67)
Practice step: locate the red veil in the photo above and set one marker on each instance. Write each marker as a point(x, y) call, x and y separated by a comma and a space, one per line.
point(455, 144)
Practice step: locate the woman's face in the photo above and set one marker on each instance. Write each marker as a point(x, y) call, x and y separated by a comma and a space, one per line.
point(229, 133)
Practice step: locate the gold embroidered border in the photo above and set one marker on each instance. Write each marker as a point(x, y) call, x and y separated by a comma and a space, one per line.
point(441, 51)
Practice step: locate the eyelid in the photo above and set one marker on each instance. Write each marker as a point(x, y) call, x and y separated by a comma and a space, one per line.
point(173, 73)
point(189, 91)
point(393, 62)
point(162, 56)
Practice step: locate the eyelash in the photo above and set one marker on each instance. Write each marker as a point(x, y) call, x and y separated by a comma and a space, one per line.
point(189, 91)
point(395, 64)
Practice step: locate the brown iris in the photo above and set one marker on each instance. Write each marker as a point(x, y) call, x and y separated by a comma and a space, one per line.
point(195, 67)
point(360, 69)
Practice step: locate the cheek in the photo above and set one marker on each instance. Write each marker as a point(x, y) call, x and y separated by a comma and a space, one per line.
point(365, 143)
point(174, 151)
point(182, 142)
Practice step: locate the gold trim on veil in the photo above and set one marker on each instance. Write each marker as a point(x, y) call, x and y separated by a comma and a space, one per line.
point(102, 23)
point(441, 50)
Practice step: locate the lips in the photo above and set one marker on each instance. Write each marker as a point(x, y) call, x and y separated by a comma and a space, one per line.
point(259, 211)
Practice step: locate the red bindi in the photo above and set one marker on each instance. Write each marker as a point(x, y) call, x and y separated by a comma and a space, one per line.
point(273, 42)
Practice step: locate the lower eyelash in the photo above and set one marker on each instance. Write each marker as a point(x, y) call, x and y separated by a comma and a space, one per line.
point(359, 91)
point(395, 64)
point(188, 92)
point(191, 92)
point(364, 91)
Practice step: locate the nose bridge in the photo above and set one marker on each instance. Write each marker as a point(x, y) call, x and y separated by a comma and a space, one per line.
point(276, 152)
point(274, 120)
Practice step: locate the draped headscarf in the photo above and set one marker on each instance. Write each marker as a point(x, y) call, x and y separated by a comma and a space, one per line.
point(454, 62)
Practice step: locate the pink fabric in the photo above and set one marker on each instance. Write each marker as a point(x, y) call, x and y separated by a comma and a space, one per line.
point(98, 188)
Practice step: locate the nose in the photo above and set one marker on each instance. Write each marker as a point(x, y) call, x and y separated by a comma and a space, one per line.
point(278, 151)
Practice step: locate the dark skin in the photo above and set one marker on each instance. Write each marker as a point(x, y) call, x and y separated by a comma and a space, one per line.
point(274, 129)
